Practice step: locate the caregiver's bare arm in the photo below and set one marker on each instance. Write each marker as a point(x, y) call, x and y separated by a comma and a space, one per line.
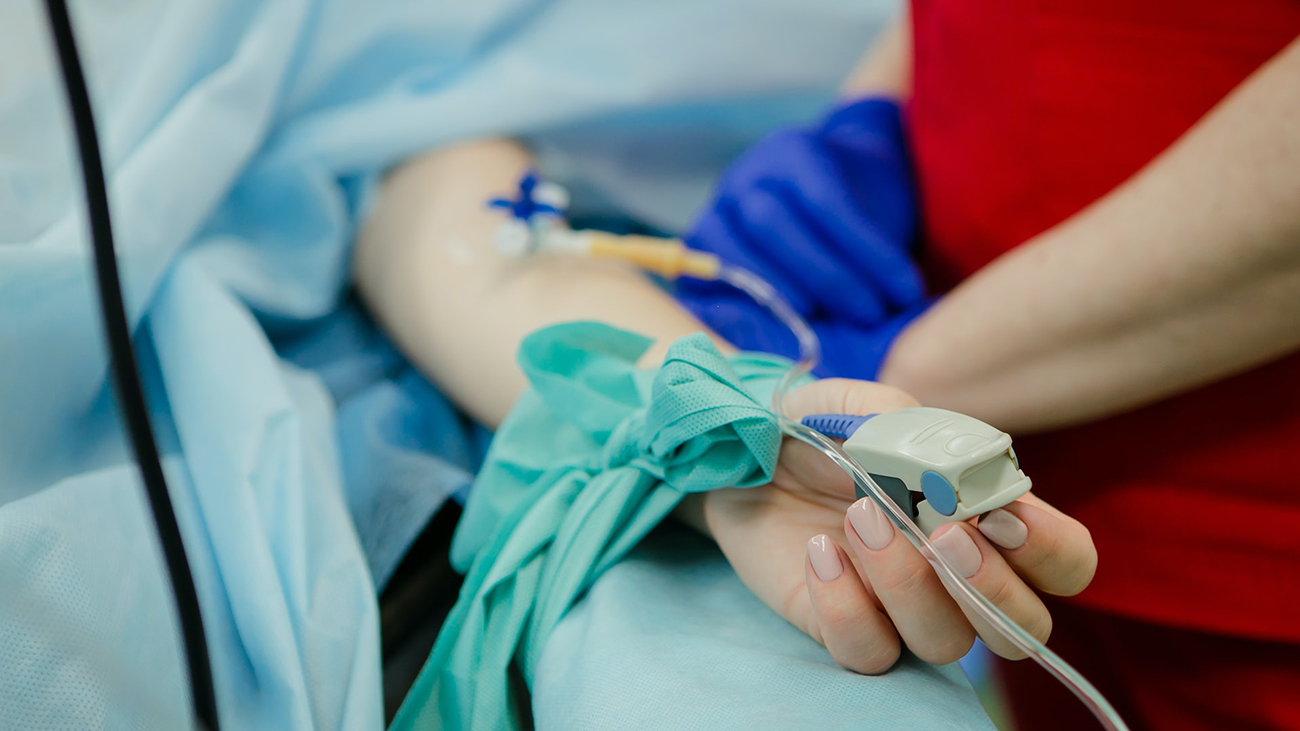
point(1187, 273)
point(427, 268)
point(886, 68)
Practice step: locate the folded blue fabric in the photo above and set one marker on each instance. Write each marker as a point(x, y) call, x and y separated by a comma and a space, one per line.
point(587, 463)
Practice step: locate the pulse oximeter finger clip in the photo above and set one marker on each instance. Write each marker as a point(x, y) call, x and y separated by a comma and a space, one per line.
point(936, 465)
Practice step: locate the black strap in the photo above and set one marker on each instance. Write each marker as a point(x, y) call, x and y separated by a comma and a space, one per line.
point(126, 374)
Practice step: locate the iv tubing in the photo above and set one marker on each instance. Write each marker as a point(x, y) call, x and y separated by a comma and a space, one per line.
point(665, 257)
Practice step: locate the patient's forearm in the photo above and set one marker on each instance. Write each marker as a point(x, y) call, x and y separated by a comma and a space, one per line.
point(1186, 274)
point(427, 267)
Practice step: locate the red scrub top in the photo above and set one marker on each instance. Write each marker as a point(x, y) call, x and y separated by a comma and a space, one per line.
point(1024, 112)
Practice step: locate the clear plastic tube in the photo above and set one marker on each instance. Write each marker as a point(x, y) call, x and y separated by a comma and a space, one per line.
point(809, 355)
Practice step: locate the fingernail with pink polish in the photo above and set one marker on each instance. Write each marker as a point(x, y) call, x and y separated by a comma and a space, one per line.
point(960, 551)
point(872, 526)
point(824, 558)
point(1004, 529)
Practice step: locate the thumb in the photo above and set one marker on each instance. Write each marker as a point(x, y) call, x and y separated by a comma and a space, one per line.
point(804, 466)
point(845, 396)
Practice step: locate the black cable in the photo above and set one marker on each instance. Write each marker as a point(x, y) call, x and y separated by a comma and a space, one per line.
point(126, 373)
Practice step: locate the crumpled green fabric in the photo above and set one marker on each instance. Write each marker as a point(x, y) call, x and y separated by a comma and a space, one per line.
point(595, 455)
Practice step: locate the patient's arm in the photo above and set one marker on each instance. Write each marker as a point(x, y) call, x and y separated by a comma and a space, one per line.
point(426, 266)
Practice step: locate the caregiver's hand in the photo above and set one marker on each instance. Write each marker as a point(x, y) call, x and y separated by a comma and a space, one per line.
point(858, 586)
point(827, 213)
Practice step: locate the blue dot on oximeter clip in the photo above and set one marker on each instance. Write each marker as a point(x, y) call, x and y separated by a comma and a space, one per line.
point(939, 493)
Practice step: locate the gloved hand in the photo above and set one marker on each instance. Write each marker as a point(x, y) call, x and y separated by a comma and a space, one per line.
point(828, 215)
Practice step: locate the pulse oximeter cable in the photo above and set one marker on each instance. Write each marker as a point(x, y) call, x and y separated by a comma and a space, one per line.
point(126, 374)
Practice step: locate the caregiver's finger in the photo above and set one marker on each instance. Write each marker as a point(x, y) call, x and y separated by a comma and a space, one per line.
point(848, 623)
point(925, 615)
point(988, 572)
point(1051, 550)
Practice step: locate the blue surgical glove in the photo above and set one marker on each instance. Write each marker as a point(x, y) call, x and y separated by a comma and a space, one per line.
point(828, 215)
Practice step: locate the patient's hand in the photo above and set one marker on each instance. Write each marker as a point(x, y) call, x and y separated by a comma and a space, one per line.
point(875, 592)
